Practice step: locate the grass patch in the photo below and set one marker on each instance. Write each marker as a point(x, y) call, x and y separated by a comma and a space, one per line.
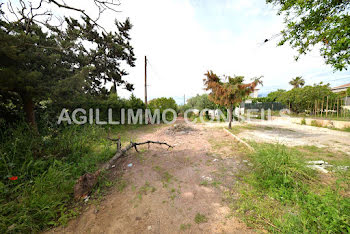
point(311, 152)
point(281, 194)
point(200, 218)
point(346, 129)
point(47, 168)
point(184, 227)
point(166, 177)
point(236, 129)
point(215, 184)
point(227, 147)
point(145, 189)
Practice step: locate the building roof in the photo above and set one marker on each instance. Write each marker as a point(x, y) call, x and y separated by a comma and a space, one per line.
point(342, 86)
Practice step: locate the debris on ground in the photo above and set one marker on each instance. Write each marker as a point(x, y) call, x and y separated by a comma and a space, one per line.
point(180, 129)
point(85, 184)
point(130, 165)
point(318, 165)
point(86, 199)
point(207, 178)
point(322, 165)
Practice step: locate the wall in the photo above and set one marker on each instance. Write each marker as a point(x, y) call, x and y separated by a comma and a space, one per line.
point(321, 122)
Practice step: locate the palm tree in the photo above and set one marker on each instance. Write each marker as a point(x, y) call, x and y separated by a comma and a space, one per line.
point(297, 82)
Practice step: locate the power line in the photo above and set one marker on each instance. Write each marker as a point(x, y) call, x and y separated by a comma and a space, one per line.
point(341, 79)
point(269, 39)
point(153, 69)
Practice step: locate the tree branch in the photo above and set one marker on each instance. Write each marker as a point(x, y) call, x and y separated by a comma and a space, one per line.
point(134, 145)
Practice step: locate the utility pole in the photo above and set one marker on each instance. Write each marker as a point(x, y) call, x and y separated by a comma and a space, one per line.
point(146, 120)
point(146, 81)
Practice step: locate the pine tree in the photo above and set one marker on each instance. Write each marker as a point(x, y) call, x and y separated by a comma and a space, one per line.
point(38, 62)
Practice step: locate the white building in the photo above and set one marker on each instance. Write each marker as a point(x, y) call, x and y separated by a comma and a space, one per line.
point(255, 93)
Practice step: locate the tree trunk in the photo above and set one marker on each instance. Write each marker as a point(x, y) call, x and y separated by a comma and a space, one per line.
point(327, 108)
point(115, 86)
point(28, 105)
point(230, 110)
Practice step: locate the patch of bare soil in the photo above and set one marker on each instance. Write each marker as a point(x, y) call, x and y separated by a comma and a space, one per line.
point(297, 135)
point(167, 189)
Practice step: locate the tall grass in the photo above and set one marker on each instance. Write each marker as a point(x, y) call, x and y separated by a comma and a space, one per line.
point(47, 168)
point(282, 194)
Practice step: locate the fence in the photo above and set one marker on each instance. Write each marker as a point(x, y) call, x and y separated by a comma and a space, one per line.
point(347, 101)
point(274, 106)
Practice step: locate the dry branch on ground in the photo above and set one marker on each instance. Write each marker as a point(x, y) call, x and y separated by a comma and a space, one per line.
point(86, 182)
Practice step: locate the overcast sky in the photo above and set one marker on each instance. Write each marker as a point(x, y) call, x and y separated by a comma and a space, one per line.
point(184, 38)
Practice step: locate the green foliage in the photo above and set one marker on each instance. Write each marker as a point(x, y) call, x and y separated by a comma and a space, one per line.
point(200, 218)
point(284, 195)
point(302, 99)
point(44, 68)
point(47, 168)
point(201, 102)
point(303, 121)
point(260, 100)
point(162, 104)
point(321, 23)
point(346, 129)
point(49, 111)
point(184, 227)
point(183, 108)
point(274, 96)
point(297, 82)
point(64, 64)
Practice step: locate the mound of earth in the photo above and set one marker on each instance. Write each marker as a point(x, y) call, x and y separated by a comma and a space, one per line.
point(180, 129)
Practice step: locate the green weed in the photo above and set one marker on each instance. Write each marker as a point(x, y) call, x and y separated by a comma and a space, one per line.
point(47, 168)
point(200, 218)
point(184, 227)
point(282, 194)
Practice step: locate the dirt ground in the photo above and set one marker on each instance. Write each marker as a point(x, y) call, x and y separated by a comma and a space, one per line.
point(291, 134)
point(167, 189)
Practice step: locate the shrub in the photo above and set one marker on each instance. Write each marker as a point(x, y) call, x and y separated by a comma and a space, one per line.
point(47, 168)
point(286, 196)
point(162, 104)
